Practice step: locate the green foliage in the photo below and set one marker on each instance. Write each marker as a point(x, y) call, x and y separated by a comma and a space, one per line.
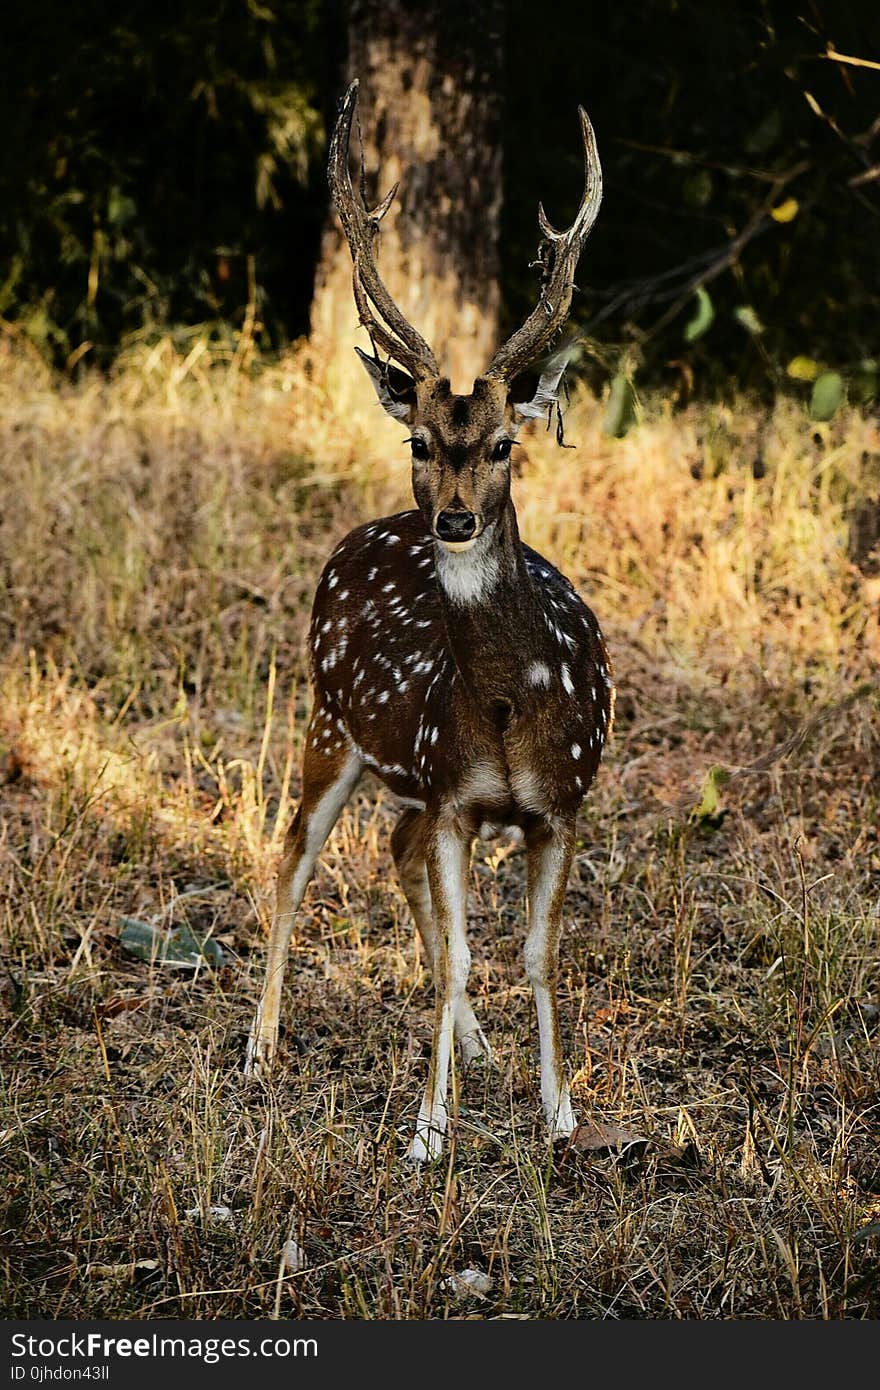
point(163, 166)
point(737, 158)
point(863, 386)
point(621, 412)
point(148, 153)
point(827, 396)
point(803, 368)
point(748, 319)
point(178, 947)
point(702, 319)
point(710, 813)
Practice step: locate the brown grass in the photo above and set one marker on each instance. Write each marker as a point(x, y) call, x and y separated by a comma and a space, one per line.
point(160, 537)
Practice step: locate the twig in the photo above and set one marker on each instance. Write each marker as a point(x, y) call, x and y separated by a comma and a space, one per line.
point(834, 57)
point(699, 270)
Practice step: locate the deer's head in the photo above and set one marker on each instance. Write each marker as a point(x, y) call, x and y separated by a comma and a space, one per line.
point(461, 445)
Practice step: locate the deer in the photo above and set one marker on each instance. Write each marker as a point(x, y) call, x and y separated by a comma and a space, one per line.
point(453, 661)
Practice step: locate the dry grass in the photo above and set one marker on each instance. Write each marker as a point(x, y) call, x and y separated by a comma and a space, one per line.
point(159, 540)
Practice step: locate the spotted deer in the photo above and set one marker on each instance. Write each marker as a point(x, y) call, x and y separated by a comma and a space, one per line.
point(453, 661)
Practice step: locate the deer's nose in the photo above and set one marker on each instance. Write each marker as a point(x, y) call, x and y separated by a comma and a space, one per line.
point(455, 526)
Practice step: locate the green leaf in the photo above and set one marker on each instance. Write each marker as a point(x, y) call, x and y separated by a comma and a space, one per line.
point(766, 134)
point(827, 396)
point(621, 412)
point(698, 188)
point(803, 369)
point(862, 388)
point(703, 318)
point(120, 208)
point(710, 812)
point(179, 947)
point(7, 289)
point(745, 315)
point(42, 329)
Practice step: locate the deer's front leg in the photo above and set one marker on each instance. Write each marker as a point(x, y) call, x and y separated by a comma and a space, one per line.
point(550, 848)
point(447, 855)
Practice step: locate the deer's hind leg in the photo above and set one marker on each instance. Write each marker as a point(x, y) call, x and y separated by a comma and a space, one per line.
point(331, 771)
point(407, 847)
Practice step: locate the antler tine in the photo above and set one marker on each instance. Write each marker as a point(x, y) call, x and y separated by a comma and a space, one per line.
point(559, 253)
point(391, 330)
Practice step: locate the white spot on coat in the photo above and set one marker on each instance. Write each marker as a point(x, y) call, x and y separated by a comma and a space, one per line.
point(538, 673)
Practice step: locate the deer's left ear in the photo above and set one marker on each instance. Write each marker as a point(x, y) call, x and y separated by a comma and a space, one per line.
point(395, 389)
point(547, 392)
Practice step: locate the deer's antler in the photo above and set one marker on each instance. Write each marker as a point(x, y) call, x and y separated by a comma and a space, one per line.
point(558, 253)
point(381, 317)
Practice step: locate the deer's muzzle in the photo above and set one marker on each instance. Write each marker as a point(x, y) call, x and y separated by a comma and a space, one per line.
point(457, 530)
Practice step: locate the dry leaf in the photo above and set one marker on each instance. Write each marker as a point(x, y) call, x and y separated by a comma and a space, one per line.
point(218, 1214)
point(470, 1283)
point(120, 1004)
point(591, 1136)
point(672, 1158)
point(122, 1271)
point(294, 1257)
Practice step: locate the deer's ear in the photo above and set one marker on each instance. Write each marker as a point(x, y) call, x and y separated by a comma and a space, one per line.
point(395, 389)
point(546, 394)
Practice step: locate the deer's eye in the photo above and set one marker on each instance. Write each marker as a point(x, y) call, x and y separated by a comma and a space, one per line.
point(502, 449)
point(419, 448)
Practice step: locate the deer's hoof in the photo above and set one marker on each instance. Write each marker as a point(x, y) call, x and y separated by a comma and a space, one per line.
point(474, 1047)
point(258, 1058)
point(427, 1144)
point(563, 1123)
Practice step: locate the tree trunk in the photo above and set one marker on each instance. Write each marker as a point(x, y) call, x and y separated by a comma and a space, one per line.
point(430, 106)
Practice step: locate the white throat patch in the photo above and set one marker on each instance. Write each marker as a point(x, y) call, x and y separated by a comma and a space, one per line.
point(467, 576)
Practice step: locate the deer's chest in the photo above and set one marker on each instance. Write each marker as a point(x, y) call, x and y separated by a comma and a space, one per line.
point(505, 713)
point(526, 750)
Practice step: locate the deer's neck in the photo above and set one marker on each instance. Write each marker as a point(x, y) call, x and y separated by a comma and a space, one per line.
point(492, 614)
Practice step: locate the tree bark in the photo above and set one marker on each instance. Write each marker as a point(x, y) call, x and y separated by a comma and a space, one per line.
point(430, 115)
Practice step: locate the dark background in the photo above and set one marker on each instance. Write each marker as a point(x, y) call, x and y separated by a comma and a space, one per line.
point(152, 151)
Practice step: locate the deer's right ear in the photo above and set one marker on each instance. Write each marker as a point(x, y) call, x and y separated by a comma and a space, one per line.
point(546, 394)
point(395, 389)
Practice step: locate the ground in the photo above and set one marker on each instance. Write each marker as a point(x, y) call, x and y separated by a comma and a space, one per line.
point(160, 538)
